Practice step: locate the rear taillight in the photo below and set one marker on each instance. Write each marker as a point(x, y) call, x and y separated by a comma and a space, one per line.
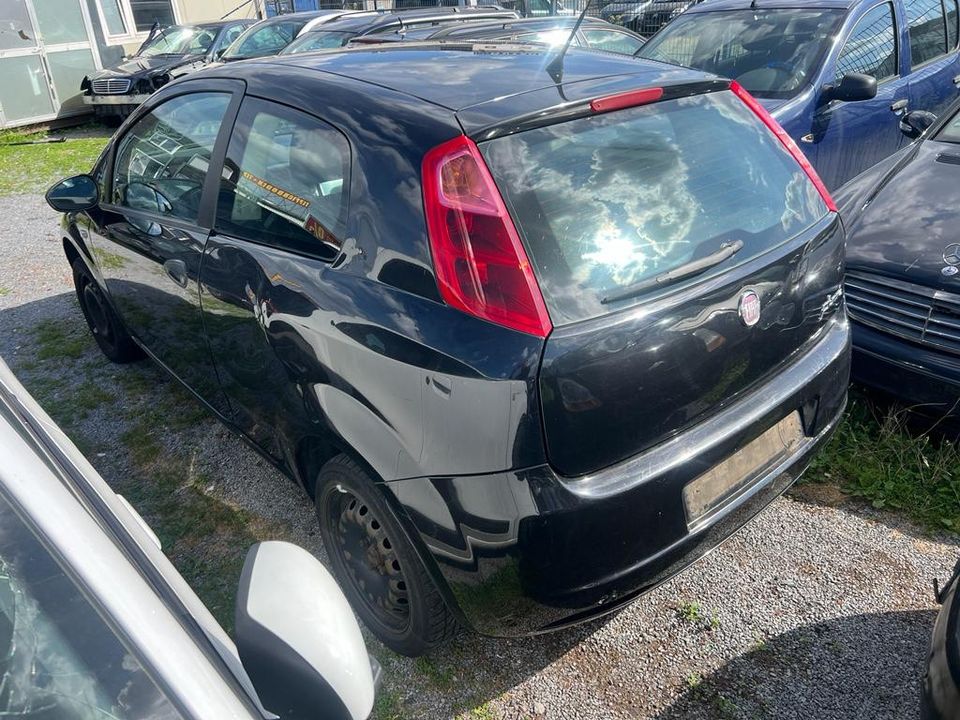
point(787, 141)
point(480, 263)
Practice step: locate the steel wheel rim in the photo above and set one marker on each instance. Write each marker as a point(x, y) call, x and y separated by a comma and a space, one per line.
point(371, 560)
point(96, 312)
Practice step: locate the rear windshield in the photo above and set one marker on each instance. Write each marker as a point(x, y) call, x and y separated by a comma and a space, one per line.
point(772, 53)
point(606, 202)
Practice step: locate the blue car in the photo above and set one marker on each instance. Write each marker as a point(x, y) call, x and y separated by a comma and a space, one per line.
point(837, 74)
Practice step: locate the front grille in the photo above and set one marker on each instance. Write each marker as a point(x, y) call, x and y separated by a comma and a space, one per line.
point(111, 86)
point(915, 312)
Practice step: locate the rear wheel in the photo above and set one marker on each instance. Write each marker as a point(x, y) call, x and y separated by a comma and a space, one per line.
point(377, 567)
point(107, 330)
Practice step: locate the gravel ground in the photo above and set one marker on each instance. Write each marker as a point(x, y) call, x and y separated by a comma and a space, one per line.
point(821, 608)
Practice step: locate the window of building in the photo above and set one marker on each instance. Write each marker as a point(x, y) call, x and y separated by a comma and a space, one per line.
point(871, 48)
point(123, 19)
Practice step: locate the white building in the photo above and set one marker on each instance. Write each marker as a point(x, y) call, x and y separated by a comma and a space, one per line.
point(47, 46)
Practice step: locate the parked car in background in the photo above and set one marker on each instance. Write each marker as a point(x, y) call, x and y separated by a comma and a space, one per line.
point(170, 53)
point(270, 36)
point(903, 268)
point(836, 74)
point(535, 331)
point(337, 34)
point(645, 17)
point(593, 33)
point(96, 623)
point(940, 699)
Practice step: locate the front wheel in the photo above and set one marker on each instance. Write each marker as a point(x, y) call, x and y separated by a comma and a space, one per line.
point(377, 567)
point(107, 329)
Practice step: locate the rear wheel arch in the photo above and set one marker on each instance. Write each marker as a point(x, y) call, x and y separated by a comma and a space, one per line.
point(314, 452)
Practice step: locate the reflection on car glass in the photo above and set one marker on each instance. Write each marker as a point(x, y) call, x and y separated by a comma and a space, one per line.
point(58, 659)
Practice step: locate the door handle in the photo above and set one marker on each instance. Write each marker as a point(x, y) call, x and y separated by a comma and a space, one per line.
point(177, 271)
point(956, 81)
point(900, 106)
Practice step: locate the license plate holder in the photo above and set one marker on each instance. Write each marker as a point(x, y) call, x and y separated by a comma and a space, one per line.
point(710, 492)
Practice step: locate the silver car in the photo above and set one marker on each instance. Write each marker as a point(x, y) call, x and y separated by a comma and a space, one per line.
point(95, 622)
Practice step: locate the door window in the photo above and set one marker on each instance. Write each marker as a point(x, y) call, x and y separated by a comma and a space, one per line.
point(927, 29)
point(163, 160)
point(58, 658)
point(871, 48)
point(612, 41)
point(232, 34)
point(953, 18)
point(285, 181)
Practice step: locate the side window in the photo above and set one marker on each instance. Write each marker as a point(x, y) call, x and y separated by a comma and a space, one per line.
point(163, 160)
point(58, 658)
point(285, 181)
point(953, 23)
point(927, 30)
point(231, 34)
point(612, 41)
point(269, 40)
point(871, 48)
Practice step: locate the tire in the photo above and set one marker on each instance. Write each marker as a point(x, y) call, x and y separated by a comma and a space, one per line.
point(377, 567)
point(107, 329)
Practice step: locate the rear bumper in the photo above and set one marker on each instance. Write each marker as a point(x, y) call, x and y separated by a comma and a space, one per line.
point(528, 551)
point(921, 377)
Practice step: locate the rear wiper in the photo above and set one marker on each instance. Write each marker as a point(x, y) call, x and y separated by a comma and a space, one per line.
point(694, 267)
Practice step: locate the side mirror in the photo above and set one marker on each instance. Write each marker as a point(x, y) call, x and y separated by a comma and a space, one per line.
point(915, 123)
point(219, 53)
point(853, 87)
point(73, 194)
point(298, 638)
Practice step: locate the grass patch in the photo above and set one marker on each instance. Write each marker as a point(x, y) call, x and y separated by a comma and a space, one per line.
point(33, 168)
point(442, 677)
point(56, 341)
point(387, 706)
point(204, 536)
point(4, 291)
point(876, 456)
point(81, 400)
point(690, 612)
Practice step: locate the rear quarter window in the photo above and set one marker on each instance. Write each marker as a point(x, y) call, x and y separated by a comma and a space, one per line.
point(608, 201)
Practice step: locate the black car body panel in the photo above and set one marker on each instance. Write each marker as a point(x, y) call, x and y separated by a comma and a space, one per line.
point(308, 356)
point(903, 296)
point(940, 699)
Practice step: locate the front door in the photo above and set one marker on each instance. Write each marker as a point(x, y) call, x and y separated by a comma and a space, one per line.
point(850, 137)
point(155, 223)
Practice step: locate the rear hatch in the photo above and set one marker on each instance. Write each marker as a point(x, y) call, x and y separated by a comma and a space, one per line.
point(606, 206)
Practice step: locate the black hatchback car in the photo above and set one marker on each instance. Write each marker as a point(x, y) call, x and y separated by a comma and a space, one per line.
point(535, 332)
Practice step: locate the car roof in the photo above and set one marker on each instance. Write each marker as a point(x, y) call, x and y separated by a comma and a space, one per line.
point(368, 21)
point(463, 74)
point(305, 16)
point(718, 5)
